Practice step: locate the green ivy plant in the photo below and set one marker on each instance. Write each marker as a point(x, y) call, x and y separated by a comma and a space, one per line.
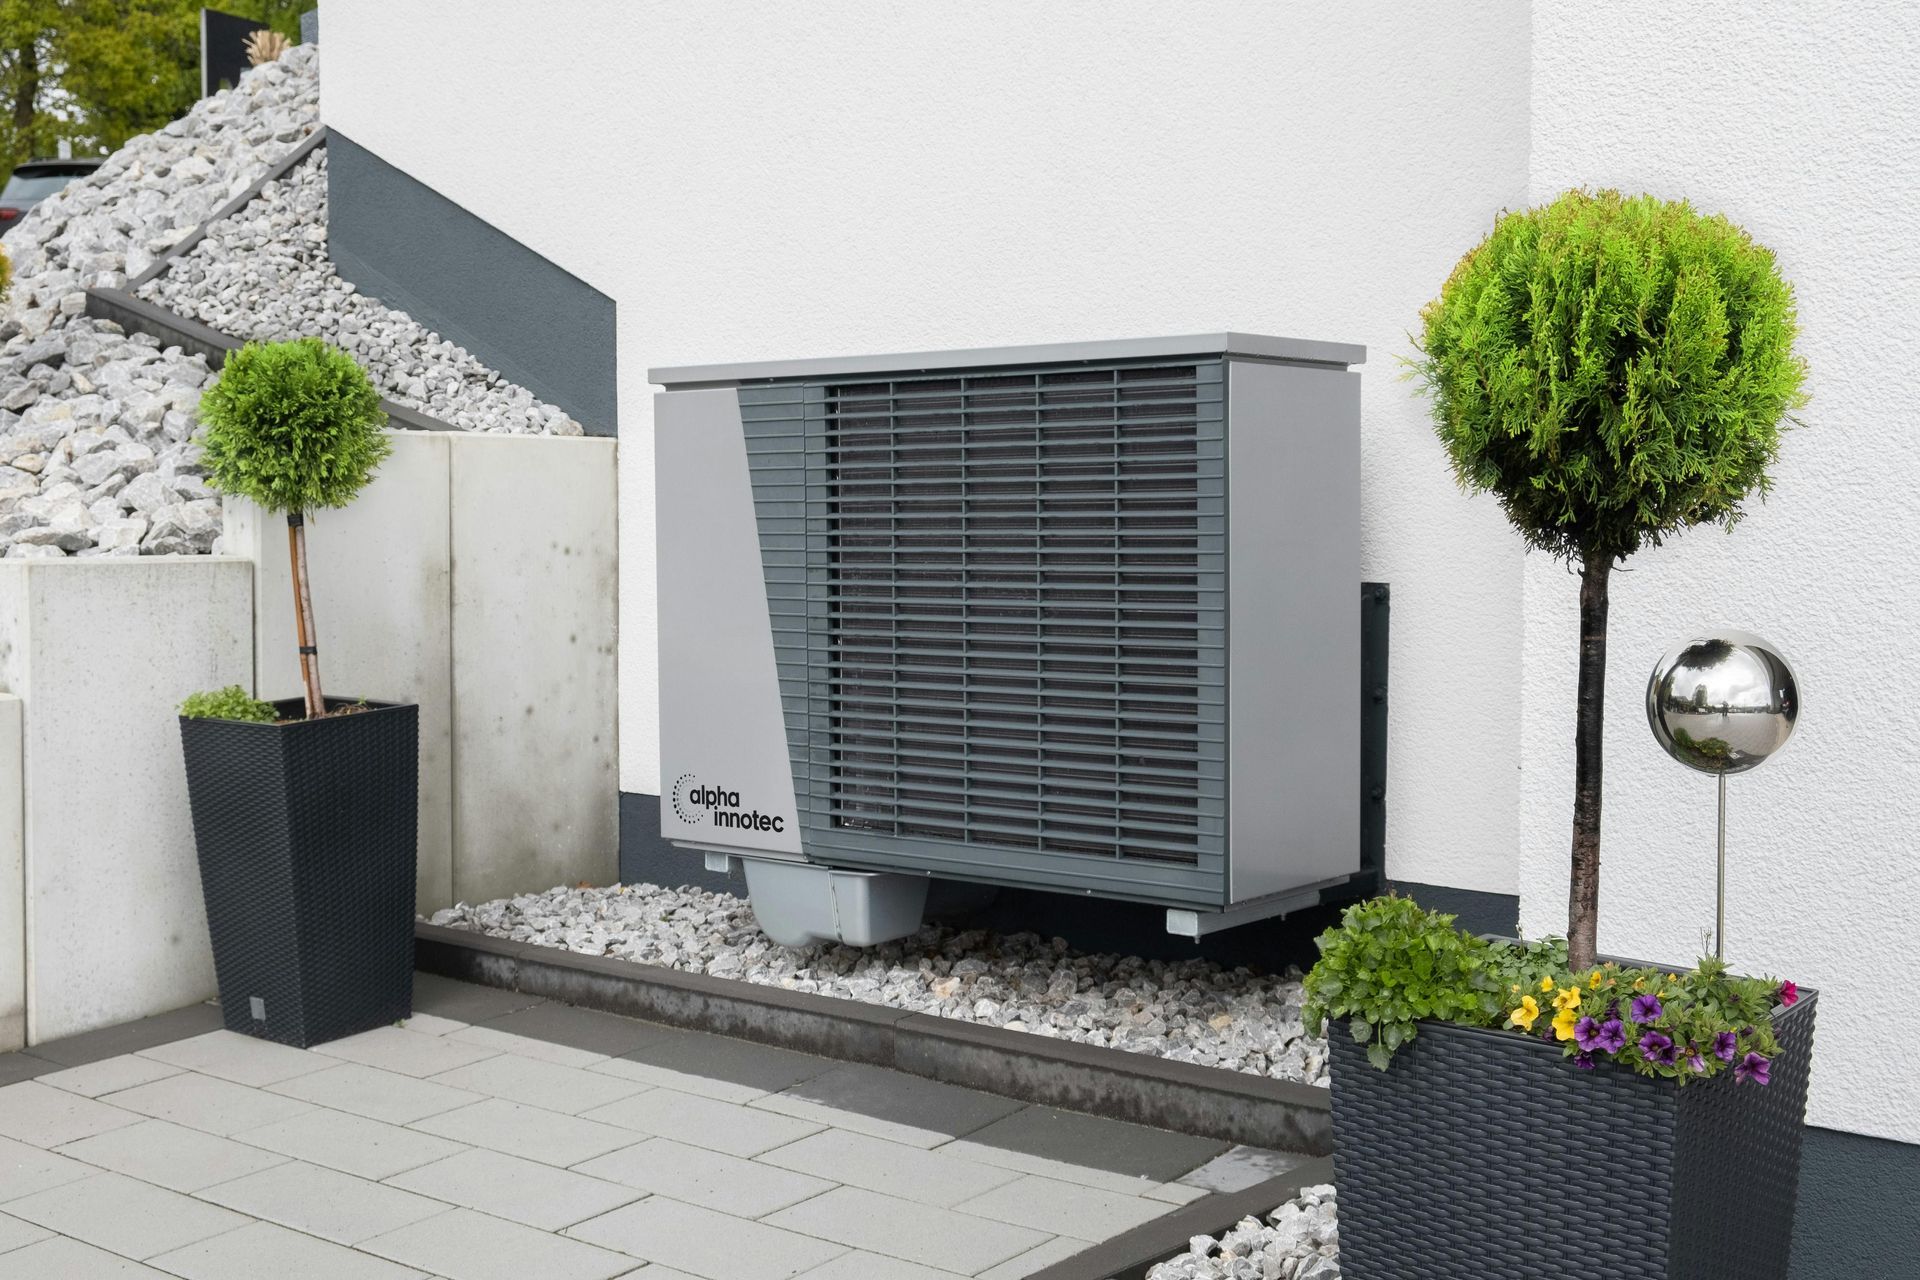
point(1390, 963)
point(230, 703)
point(1614, 369)
point(294, 426)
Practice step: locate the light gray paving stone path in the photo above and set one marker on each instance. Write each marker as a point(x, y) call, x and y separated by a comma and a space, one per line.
point(494, 1137)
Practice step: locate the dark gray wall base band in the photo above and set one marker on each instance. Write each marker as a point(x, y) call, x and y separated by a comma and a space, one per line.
point(1497, 913)
point(646, 858)
point(406, 244)
point(1204, 1101)
point(1856, 1218)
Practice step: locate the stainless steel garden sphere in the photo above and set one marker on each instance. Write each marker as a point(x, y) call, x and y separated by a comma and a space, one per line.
point(1722, 703)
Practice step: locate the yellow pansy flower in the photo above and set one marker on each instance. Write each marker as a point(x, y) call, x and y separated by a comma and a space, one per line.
point(1524, 1016)
point(1546, 984)
point(1563, 1023)
point(1568, 1000)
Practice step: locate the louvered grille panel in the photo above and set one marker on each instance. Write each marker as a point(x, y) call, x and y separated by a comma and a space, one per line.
point(1021, 578)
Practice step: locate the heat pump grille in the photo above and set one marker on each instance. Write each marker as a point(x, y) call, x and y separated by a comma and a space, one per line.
point(1022, 632)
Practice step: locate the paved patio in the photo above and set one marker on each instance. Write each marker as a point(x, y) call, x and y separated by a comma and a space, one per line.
point(496, 1135)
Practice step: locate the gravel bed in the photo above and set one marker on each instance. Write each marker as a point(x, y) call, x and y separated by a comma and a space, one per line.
point(264, 273)
point(1189, 1010)
point(1298, 1241)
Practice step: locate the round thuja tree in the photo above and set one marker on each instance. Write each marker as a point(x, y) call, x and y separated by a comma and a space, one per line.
point(1614, 370)
point(294, 426)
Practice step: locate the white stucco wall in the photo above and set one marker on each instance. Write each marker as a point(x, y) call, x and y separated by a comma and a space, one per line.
point(760, 180)
point(1800, 128)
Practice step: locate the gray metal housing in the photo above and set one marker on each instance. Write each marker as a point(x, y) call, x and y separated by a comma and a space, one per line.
point(1075, 617)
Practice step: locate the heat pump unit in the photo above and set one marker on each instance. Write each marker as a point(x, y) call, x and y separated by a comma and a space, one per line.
point(1077, 617)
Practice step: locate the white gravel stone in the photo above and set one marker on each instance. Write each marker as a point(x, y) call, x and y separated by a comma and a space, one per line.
point(96, 425)
point(1298, 1241)
point(1188, 1010)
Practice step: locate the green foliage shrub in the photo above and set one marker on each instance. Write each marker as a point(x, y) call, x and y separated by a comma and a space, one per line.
point(230, 703)
point(1613, 369)
point(6, 275)
point(293, 426)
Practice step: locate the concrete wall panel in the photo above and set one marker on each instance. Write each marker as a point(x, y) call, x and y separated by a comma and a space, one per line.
point(13, 881)
point(100, 652)
point(535, 595)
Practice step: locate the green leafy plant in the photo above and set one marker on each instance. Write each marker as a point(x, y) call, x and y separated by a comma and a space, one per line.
point(1614, 370)
point(230, 703)
point(294, 426)
point(6, 275)
point(1390, 963)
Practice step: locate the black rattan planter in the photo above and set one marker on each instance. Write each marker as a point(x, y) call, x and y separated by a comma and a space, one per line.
point(307, 833)
point(1488, 1154)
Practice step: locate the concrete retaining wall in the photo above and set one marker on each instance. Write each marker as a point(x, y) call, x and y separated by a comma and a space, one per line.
point(13, 883)
point(475, 576)
point(99, 653)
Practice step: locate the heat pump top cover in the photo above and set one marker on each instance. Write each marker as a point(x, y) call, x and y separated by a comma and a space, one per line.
point(1072, 617)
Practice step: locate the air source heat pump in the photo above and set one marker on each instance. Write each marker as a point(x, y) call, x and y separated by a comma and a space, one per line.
point(1076, 617)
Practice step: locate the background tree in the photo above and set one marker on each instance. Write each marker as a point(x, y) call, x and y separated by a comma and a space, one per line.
point(294, 426)
point(97, 72)
point(1614, 370)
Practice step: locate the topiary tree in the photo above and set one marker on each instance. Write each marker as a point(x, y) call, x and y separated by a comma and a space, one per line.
point(1614, 370)
point(294, 426)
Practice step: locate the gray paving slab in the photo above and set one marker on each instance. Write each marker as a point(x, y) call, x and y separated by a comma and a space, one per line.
point(523, 1191)
point(208, 1104)
point(323, 1202)
point(859, 1265)
point(408, 1053)
point(17, 1066)
point(529, 1132)
point(465, 1001)
point(896, 1228)
point(757, 1066)
point(1072, 1137)
point(58, 1258)
point(528, 1047)
point(743, 1188)
point(588, 1029)
point(371, 1149)
point(25, 1169)
point(241, 1059)
point(109, 1075)
point(41, 1116)
point(1058, 1249)
point(705, 1243)
point(124, 1215)
point(537, 1083)
point(171, 1155)
point(464, 1245)
point(1064, 1208)
point(16, 1234)
point(704, 1122)
point(375, 1094)
point(892, 1168)
point(261, 1249)
point(1241, 1167)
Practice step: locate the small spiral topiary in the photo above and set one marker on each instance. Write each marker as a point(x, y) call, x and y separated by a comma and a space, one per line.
point(292, 426)
point(1613, 369)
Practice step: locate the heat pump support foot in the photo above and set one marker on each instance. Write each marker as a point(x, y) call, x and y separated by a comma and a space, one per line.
point(799, 904)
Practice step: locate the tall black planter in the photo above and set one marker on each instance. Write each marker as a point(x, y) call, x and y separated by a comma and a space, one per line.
point(1488, 1154)
point(307, 834)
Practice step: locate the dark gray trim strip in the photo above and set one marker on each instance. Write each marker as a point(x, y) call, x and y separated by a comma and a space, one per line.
point(1250, 345)
point(1130, 1255)
point(1209, 1102)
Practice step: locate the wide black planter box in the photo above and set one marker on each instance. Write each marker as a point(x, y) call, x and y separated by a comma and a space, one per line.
point(1488, 1154)
point(307, 833)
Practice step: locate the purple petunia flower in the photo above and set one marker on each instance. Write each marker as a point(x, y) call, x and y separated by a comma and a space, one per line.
point(1658, 1049)
point(1647, 1008)
point(1613, 1036)
point(1586, 1034)
point(1697, 1063)
point(1725, 1045)
point(1753, 1069)
point(1583, 1060)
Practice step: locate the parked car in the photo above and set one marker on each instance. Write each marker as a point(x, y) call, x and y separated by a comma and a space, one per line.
point(34, 181)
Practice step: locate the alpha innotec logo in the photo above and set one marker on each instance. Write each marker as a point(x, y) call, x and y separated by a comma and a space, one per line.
point(695, 803)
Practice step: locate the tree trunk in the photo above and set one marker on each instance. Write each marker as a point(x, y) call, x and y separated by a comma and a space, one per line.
point(303, 614)
point(1583, 897)
point(26, 98)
